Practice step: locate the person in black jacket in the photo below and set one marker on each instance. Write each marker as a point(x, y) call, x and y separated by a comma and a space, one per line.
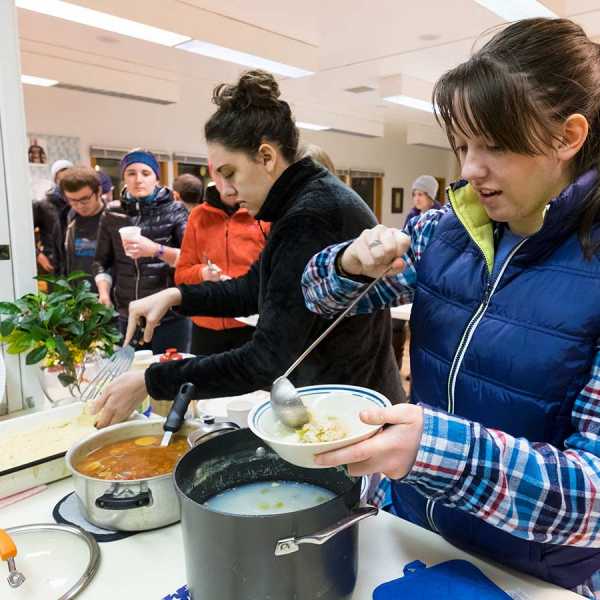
point(252, 145)
point(50, 222)
point(127, 271)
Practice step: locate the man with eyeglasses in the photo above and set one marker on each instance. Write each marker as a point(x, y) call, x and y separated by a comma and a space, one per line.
point(80, 187)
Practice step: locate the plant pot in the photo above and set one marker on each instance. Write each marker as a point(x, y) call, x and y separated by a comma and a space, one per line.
point(58, 394)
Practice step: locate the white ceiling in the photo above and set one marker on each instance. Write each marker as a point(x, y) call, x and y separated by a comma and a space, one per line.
point(349, 43)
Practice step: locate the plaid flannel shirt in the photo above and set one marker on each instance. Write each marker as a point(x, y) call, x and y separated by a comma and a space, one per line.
point(505, 480)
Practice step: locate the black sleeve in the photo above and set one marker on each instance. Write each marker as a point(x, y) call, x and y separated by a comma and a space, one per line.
point(237, 297)
point(104, 258)
point(179, 224)
point(284, 329)
point(58, 249)
point(46, 221)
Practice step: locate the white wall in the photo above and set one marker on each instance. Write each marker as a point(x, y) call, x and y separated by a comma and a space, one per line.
point(119, 123)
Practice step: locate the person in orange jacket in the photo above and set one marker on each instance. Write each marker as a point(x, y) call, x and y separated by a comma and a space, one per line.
point(221, 241)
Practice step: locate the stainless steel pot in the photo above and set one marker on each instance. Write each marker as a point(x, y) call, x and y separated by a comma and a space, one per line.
point(133, 505)
point(301, 555)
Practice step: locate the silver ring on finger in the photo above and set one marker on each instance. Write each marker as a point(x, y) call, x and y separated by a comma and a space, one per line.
point(374, 244)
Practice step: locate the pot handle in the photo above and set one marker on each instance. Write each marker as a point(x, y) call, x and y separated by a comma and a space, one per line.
point(8, 551)
point(291, 545)
point(112, 501)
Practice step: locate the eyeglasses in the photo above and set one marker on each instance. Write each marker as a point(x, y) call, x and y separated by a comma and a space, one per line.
point(82, 201)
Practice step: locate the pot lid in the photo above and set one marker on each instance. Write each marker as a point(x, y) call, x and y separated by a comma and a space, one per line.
point(57, 561)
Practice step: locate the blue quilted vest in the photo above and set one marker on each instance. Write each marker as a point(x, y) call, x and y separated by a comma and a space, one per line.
point(511, 352)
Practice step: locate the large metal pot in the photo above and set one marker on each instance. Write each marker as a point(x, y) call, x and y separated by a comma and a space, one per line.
point(303, 555)
point(132, 505)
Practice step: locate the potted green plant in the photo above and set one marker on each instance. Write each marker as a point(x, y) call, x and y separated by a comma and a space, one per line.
point(63, 330)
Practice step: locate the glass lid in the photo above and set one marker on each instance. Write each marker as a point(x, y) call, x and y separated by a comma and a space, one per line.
point(56, 561)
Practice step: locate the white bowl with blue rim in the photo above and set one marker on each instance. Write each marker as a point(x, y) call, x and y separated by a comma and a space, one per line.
point(328, 401)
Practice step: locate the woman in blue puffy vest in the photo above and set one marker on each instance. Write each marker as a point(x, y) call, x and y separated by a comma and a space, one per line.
point(499, 450)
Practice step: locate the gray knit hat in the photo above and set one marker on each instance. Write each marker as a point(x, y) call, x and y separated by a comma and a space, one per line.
point(427, 184)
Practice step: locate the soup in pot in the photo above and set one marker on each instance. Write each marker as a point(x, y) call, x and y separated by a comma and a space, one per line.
point(269, 498)
point(136, 458)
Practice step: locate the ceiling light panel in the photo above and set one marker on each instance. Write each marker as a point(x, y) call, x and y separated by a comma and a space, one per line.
point(242, 58)
point(312, 126)
point(407, 91)
point(102, 20)
point(31, 80)
point(410, 102)
point(513, 10)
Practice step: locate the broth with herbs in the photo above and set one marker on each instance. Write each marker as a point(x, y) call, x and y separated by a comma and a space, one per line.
point(136, 458)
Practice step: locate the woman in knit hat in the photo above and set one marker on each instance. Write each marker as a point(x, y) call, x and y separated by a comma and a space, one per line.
point(133, 269)
point(424, 192)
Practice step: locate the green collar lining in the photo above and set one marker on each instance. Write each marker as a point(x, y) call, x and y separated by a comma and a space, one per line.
point(475, 220)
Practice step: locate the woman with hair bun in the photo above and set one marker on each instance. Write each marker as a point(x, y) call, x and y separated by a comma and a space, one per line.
point(252, 146)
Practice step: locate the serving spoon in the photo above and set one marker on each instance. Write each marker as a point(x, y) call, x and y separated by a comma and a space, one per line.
point(285, 400)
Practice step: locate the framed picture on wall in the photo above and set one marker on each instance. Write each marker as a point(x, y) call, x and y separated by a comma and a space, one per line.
point(397, 200)
point(37, 151)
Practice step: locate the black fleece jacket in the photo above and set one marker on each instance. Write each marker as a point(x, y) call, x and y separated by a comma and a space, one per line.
point(310, 209)
point(163, 221)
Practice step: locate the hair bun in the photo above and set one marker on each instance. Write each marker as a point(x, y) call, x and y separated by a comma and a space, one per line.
point(254, 88)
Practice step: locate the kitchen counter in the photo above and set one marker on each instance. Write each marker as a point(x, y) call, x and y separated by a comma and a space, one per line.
point(150, 565)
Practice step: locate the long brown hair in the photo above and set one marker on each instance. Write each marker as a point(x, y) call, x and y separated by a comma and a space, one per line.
point(519, 87)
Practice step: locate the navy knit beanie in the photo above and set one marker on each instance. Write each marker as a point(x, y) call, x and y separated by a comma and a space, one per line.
point(140, 156)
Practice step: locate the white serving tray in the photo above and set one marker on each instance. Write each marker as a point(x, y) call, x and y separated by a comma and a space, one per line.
point(46, 468)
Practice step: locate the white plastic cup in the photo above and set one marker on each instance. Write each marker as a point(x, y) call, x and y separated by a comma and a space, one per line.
point(238, 411)
point(131, 233)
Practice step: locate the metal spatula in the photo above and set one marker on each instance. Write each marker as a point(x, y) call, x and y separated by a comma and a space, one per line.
point(114, 366)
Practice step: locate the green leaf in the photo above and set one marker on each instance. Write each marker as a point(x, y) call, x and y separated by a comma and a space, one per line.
point(39, 334)
point(8, 308)
point(62, 297)
point(61, 348)
point(76, 275)
point(18, 346)
point(55, 315)
point(6, 327)
point(36, 355)
point(76, 328)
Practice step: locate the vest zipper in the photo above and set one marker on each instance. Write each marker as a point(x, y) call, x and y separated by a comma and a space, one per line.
point(429, 514)
point(461, 351)
point(472, 325)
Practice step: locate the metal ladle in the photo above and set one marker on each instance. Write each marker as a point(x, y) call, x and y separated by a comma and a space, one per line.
point(287, 404)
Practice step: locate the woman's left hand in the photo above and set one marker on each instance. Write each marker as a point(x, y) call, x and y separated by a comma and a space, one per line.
point(392, 451)
point(141, 247)
point(120, 398)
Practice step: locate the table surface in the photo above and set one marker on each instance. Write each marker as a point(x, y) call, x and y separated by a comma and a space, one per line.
point(386, 544)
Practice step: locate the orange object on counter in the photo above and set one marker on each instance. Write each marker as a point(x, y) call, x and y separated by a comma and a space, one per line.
point(170, 354)
point(7, 546)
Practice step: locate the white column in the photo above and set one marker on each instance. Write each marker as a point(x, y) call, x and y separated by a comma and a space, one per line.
point(16, 221)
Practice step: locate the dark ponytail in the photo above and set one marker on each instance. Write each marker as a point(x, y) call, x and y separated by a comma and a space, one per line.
point(251, 112)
